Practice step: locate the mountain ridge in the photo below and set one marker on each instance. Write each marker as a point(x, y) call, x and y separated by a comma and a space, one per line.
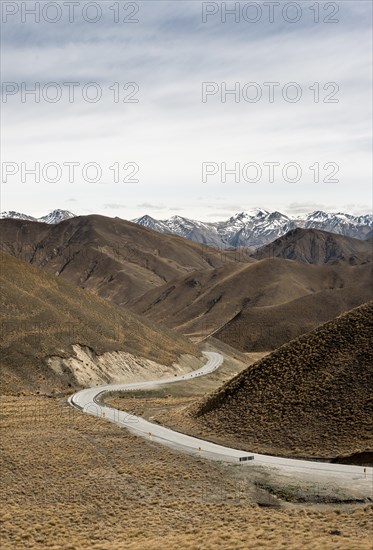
point(111, 257)
point(252, 228)
point(56, 216)
point(314, 246)
point(257, 306)
point(258, 227)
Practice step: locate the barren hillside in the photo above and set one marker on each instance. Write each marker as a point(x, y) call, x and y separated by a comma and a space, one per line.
point(43, 316)
point(258, 306)
point(313, 246)
point(311, 397)
point(113, 258)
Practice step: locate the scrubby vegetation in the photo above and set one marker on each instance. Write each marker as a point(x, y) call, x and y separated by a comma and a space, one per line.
point(71, 481)
point(311, 397)
point(43, 315)
point(257, 306)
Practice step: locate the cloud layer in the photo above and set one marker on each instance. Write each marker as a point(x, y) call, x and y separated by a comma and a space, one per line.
point(170, 132)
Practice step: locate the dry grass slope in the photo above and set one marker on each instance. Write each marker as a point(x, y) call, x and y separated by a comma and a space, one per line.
point(311, 397)
point(43, 315)
point(71, 481)
point(113, 258)
point(313, 246)
point(259, 306)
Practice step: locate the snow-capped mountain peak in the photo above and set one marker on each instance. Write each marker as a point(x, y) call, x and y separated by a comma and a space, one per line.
point(146, 220)
point(177, 219)
point(16, 216)
point(252, 228)
point(277, 216)
point(254, 213)
point(257, 227)
point(318, 215)
point(152, 223)
point(56, 216)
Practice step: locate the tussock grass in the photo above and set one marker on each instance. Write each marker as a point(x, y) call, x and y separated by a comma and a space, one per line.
point(257, 306)
point(42, 315)
point(310, 398)
point(75, 482)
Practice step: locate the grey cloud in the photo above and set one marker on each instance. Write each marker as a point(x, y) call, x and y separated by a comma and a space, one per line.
point(115, 206)
point(169, 54)
point(151, 206)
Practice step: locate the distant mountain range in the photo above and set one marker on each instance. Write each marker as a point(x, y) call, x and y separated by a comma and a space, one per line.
point(259, 227)
point(55, 216)
point(253, 228)
point(287, 287)
point(259, 302)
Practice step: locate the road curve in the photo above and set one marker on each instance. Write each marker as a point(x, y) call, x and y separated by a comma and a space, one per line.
point(88, 401)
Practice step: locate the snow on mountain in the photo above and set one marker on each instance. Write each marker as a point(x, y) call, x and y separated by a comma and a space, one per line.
point(56, 216)
point(200, 232)
point(17, 216)
point(151, 223)
point(251, 228)
point(257, 227)
point(340, 223)
point(193, 230)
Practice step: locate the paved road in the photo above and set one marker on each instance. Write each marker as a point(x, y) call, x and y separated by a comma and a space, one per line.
point(88, 401)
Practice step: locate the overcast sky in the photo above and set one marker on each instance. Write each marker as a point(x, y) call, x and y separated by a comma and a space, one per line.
point(170, 132)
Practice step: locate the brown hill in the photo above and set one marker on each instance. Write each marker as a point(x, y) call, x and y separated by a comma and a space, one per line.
point(312, 246)
point(43, 316)
point(111, 257)
point(311, 397)
point(258, 306)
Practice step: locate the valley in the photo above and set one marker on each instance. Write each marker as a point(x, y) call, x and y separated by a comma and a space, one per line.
point(186, 275)
point(92, 303)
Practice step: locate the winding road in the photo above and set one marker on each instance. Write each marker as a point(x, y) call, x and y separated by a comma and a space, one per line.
point(87, 400)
